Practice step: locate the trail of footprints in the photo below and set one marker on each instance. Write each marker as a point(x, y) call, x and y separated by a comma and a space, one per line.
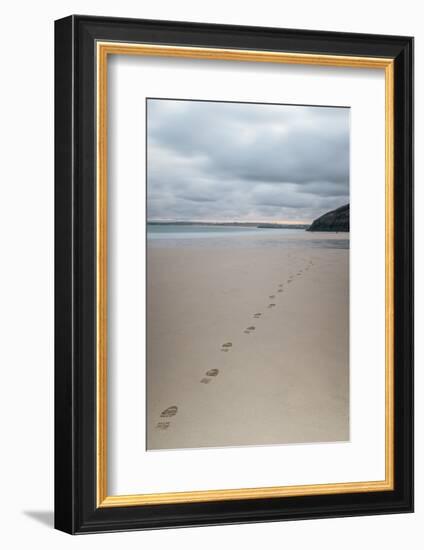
point(227, 346)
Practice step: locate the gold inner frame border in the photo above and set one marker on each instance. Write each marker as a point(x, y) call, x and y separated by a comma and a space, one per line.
point(103, 50)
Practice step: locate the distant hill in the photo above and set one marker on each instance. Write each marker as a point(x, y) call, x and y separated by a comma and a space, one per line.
point(336, 220)
point(282, 226)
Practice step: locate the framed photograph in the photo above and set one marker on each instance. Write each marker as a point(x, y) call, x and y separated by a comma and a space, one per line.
point(234, 271)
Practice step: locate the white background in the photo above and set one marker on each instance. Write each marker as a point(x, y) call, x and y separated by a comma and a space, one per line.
point(26, 289)
point(362, 458)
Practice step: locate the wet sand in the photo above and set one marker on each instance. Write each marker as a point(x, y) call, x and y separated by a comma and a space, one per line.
point(247, 346)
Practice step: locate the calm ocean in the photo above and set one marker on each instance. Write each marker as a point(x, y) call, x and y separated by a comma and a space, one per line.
point(230, 236)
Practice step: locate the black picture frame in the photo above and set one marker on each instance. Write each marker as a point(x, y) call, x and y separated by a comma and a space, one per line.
point(76, 509)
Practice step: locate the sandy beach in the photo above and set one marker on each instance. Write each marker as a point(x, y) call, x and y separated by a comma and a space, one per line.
point(248, 345)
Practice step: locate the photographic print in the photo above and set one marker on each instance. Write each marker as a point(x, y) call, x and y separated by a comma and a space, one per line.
point(247, 274)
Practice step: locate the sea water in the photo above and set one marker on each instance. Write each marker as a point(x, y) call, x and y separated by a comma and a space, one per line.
point(176, 235)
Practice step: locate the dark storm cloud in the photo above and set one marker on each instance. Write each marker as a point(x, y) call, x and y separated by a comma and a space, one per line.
point(228, 161)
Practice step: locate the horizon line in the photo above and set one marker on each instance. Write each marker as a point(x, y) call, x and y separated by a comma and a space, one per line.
point(229, 221)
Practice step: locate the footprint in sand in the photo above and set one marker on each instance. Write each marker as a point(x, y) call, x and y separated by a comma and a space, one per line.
point(257, 315)
point(163, 425)
point(280, 290)
point(281, 285)
point(212, 372)
point(271, 297)
point(226, 346)
point(249, 330)
point(170, 411)
point(271, 305)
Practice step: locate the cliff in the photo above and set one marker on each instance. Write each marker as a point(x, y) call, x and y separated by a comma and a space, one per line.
point(336, 220)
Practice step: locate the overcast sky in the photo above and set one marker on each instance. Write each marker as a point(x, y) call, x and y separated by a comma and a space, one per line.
point(211, 161)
